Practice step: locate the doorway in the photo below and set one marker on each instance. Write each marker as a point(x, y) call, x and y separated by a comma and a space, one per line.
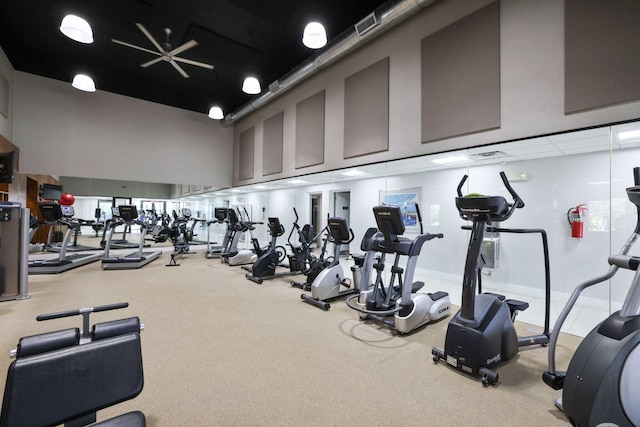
point(341, 206)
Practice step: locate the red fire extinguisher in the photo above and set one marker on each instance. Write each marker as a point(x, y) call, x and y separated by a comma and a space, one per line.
point(575, 216)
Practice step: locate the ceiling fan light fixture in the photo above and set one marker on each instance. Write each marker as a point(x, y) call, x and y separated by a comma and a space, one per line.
point(84, 83)
point(251, 86)
point(314, 35)
point(216, 113)
point(76, 29)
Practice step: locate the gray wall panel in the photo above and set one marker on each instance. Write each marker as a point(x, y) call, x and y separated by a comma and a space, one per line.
point(461, 76)
point(602, 53)
point(245, 170)
point(366, 110)
point(310, 131)
point(272, 144)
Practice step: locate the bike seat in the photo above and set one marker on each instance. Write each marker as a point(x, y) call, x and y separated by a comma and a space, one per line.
point(514, 304)
point(499, 296)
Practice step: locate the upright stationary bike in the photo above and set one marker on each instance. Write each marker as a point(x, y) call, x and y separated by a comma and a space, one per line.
point(482, 334)
point(265, 266)
point(602, 384)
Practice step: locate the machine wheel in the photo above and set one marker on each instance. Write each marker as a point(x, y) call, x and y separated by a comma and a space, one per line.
point(282, 253)
point(437, 354)
point(489, 377)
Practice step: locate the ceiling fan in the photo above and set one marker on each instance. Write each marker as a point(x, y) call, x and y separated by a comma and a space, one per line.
point(165, 52)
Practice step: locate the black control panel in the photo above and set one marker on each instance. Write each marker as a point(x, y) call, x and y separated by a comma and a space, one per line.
point(5, 214)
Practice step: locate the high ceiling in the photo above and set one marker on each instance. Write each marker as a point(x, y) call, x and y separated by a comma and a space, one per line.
point(239, 38)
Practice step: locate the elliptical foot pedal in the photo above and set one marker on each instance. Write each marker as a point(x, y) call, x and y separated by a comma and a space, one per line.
point(438, 295)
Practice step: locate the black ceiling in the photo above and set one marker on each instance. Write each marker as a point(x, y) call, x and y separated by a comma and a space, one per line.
point(238, 37)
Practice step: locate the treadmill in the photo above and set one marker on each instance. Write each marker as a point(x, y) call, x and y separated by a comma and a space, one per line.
point(52, 213)
point(213, 250)
point(121, 243)
point(137, 259)
point(68, 213)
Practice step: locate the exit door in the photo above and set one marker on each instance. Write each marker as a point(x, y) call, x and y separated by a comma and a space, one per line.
point(341, 201)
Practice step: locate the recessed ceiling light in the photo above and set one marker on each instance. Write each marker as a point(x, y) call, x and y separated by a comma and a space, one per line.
point(629, 135)
point(297, 181)
point(76, 29)
point(352, 172)
point(260, 187)
point(449, 159)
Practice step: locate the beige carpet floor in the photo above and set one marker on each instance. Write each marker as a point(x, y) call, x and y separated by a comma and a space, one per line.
point(220, 350)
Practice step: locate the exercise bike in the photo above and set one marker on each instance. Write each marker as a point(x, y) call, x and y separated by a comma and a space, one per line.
point(602, 383)
point(265, 266)
point(409, 308)
point(326, 286)
point(482, 334)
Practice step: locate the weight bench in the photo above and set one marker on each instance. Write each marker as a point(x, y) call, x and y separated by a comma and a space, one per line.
point(66, 377)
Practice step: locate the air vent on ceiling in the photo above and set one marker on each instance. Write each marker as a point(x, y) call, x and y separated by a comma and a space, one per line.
point(366, 24)
point(275, 86)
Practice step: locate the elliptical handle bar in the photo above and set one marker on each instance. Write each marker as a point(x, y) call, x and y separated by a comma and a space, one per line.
point(419, 218)
point(518, 202)
point(352, 237)
point(331, 239)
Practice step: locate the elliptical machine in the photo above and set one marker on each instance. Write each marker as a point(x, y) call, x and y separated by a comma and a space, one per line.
point(234, 256)
point(409, 309)
point(482, 334)
point(327, 284)
point(313, 264)
point(602, 384)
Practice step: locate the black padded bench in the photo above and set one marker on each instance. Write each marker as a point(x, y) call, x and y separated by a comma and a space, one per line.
point(57, 379)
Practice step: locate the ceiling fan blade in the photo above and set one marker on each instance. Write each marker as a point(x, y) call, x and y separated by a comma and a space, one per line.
point(150, 37)
point(153, 61)
point(135, 47)
point(198, 64)
point(180, 70)
point(187, 45)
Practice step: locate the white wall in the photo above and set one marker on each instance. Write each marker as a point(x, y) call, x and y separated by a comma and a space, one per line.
point(65, 132)
point(531, 80)
point(554, 185)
